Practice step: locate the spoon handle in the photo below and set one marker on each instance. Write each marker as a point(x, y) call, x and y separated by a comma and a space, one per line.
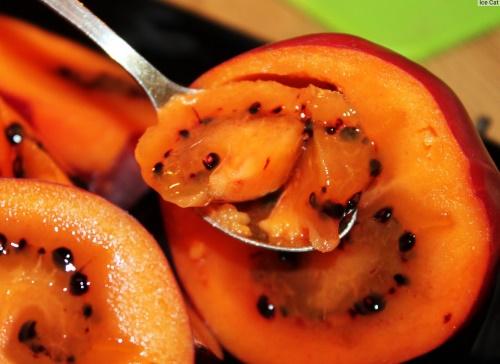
point(157, 86)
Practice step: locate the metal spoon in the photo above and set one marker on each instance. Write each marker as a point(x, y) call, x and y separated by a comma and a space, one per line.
point(158, 87)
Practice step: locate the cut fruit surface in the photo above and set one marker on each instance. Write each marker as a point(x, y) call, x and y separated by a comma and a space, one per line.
point(84, 108)
point(419, 260)
point(74, 287)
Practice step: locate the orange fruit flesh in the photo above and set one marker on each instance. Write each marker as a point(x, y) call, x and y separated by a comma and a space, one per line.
point(254, 139)
point(99, 306)
point(69, 91)
point(346, 305)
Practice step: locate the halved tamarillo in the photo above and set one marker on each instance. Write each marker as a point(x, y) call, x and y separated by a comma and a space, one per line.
point(85, 109)
point(83, 282)
point(417, 263)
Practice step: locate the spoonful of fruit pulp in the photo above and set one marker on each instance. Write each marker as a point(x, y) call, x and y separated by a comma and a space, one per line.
point(253, 156)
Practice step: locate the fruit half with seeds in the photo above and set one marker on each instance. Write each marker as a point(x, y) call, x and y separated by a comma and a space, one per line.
point(76, 288)
point(86, 110)
point(419, 260)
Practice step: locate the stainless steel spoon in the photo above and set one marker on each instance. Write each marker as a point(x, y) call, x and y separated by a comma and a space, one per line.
point(158, 87)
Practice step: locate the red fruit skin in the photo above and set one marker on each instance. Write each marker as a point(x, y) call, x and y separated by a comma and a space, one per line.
point(485, 177)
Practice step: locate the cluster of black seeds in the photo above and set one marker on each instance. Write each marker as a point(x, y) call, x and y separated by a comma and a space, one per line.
point(63, 259)
point(11, 246)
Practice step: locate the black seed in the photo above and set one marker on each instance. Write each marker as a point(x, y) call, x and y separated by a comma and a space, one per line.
point(211, 161)
point(17, 167)
point(63, 259)
point(332, 209)
point(27, 331)
point(3, 245)
point(324, 189)
point(375, 167)
point(277, 110)
point(401, 279)
point(266, 309)
point(206, 121)
point(87, 310)
point(313, 200)
point(330, 130)
point(70, 359)
point(184, 133)
point(158, 168)
point(383, 215)
point(78, 284)
point(349, 133)
point(308, 128)
point(37, 348)
point(41, 251)
point(167, 153)
point(14, 133)
point(370, 304)
point(254, 108)
point(407, 241)
point(20, 245)
point(352, 203)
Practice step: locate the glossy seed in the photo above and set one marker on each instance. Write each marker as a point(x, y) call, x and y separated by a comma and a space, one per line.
point(19, 245)
point(211, 161)
point(277, 110)
point(349, 133)
point(330, 130)
point(3, 245)
point(407, 241)
point(27, 331)
point(265, 308)
point(63, 259)
point(375, 167)
point(78, 284)
point(184, 133)
point(401, 279)
point(352, 203)
point(158, 168)
point(254, 108)
point(87, 310)
point(14, 133)
point(373, 303)
point(333, 209)
point(383, 215)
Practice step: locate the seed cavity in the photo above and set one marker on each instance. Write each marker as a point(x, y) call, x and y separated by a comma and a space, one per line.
point(407, 241)
point(375, 167)
point(63, 259)
point(211, 161)
point(78, 284)
point(265, 308)
point(14, 133)
point(254, 108)
point(383, 215)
